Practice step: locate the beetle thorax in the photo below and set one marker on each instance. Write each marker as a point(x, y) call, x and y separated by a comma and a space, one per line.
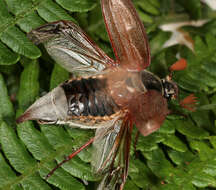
point(125, 85)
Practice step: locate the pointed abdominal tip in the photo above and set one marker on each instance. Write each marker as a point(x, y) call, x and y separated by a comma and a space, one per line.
point(189, 102)
point(179, 65)
point(23, 117)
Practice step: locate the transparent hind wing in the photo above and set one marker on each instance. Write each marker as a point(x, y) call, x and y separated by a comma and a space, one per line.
point(103, 144)
point(70, 47)
point(111, 154)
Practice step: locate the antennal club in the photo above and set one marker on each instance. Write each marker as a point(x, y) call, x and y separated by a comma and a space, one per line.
point(189, 103)
point(179, 65)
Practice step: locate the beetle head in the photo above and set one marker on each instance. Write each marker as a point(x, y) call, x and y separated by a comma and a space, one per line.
point(170, 89)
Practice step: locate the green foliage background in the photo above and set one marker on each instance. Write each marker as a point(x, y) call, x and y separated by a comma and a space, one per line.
point(180, 156)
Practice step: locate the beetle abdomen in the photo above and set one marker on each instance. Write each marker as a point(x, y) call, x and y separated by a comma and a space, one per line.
point(88, 97)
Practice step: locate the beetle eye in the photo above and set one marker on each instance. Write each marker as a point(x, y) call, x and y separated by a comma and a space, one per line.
point(170, 89)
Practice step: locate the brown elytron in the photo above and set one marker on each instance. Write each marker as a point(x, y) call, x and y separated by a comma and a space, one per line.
point(109, 96)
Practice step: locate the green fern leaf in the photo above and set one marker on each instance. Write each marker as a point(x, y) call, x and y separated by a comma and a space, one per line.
point(181, 155)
